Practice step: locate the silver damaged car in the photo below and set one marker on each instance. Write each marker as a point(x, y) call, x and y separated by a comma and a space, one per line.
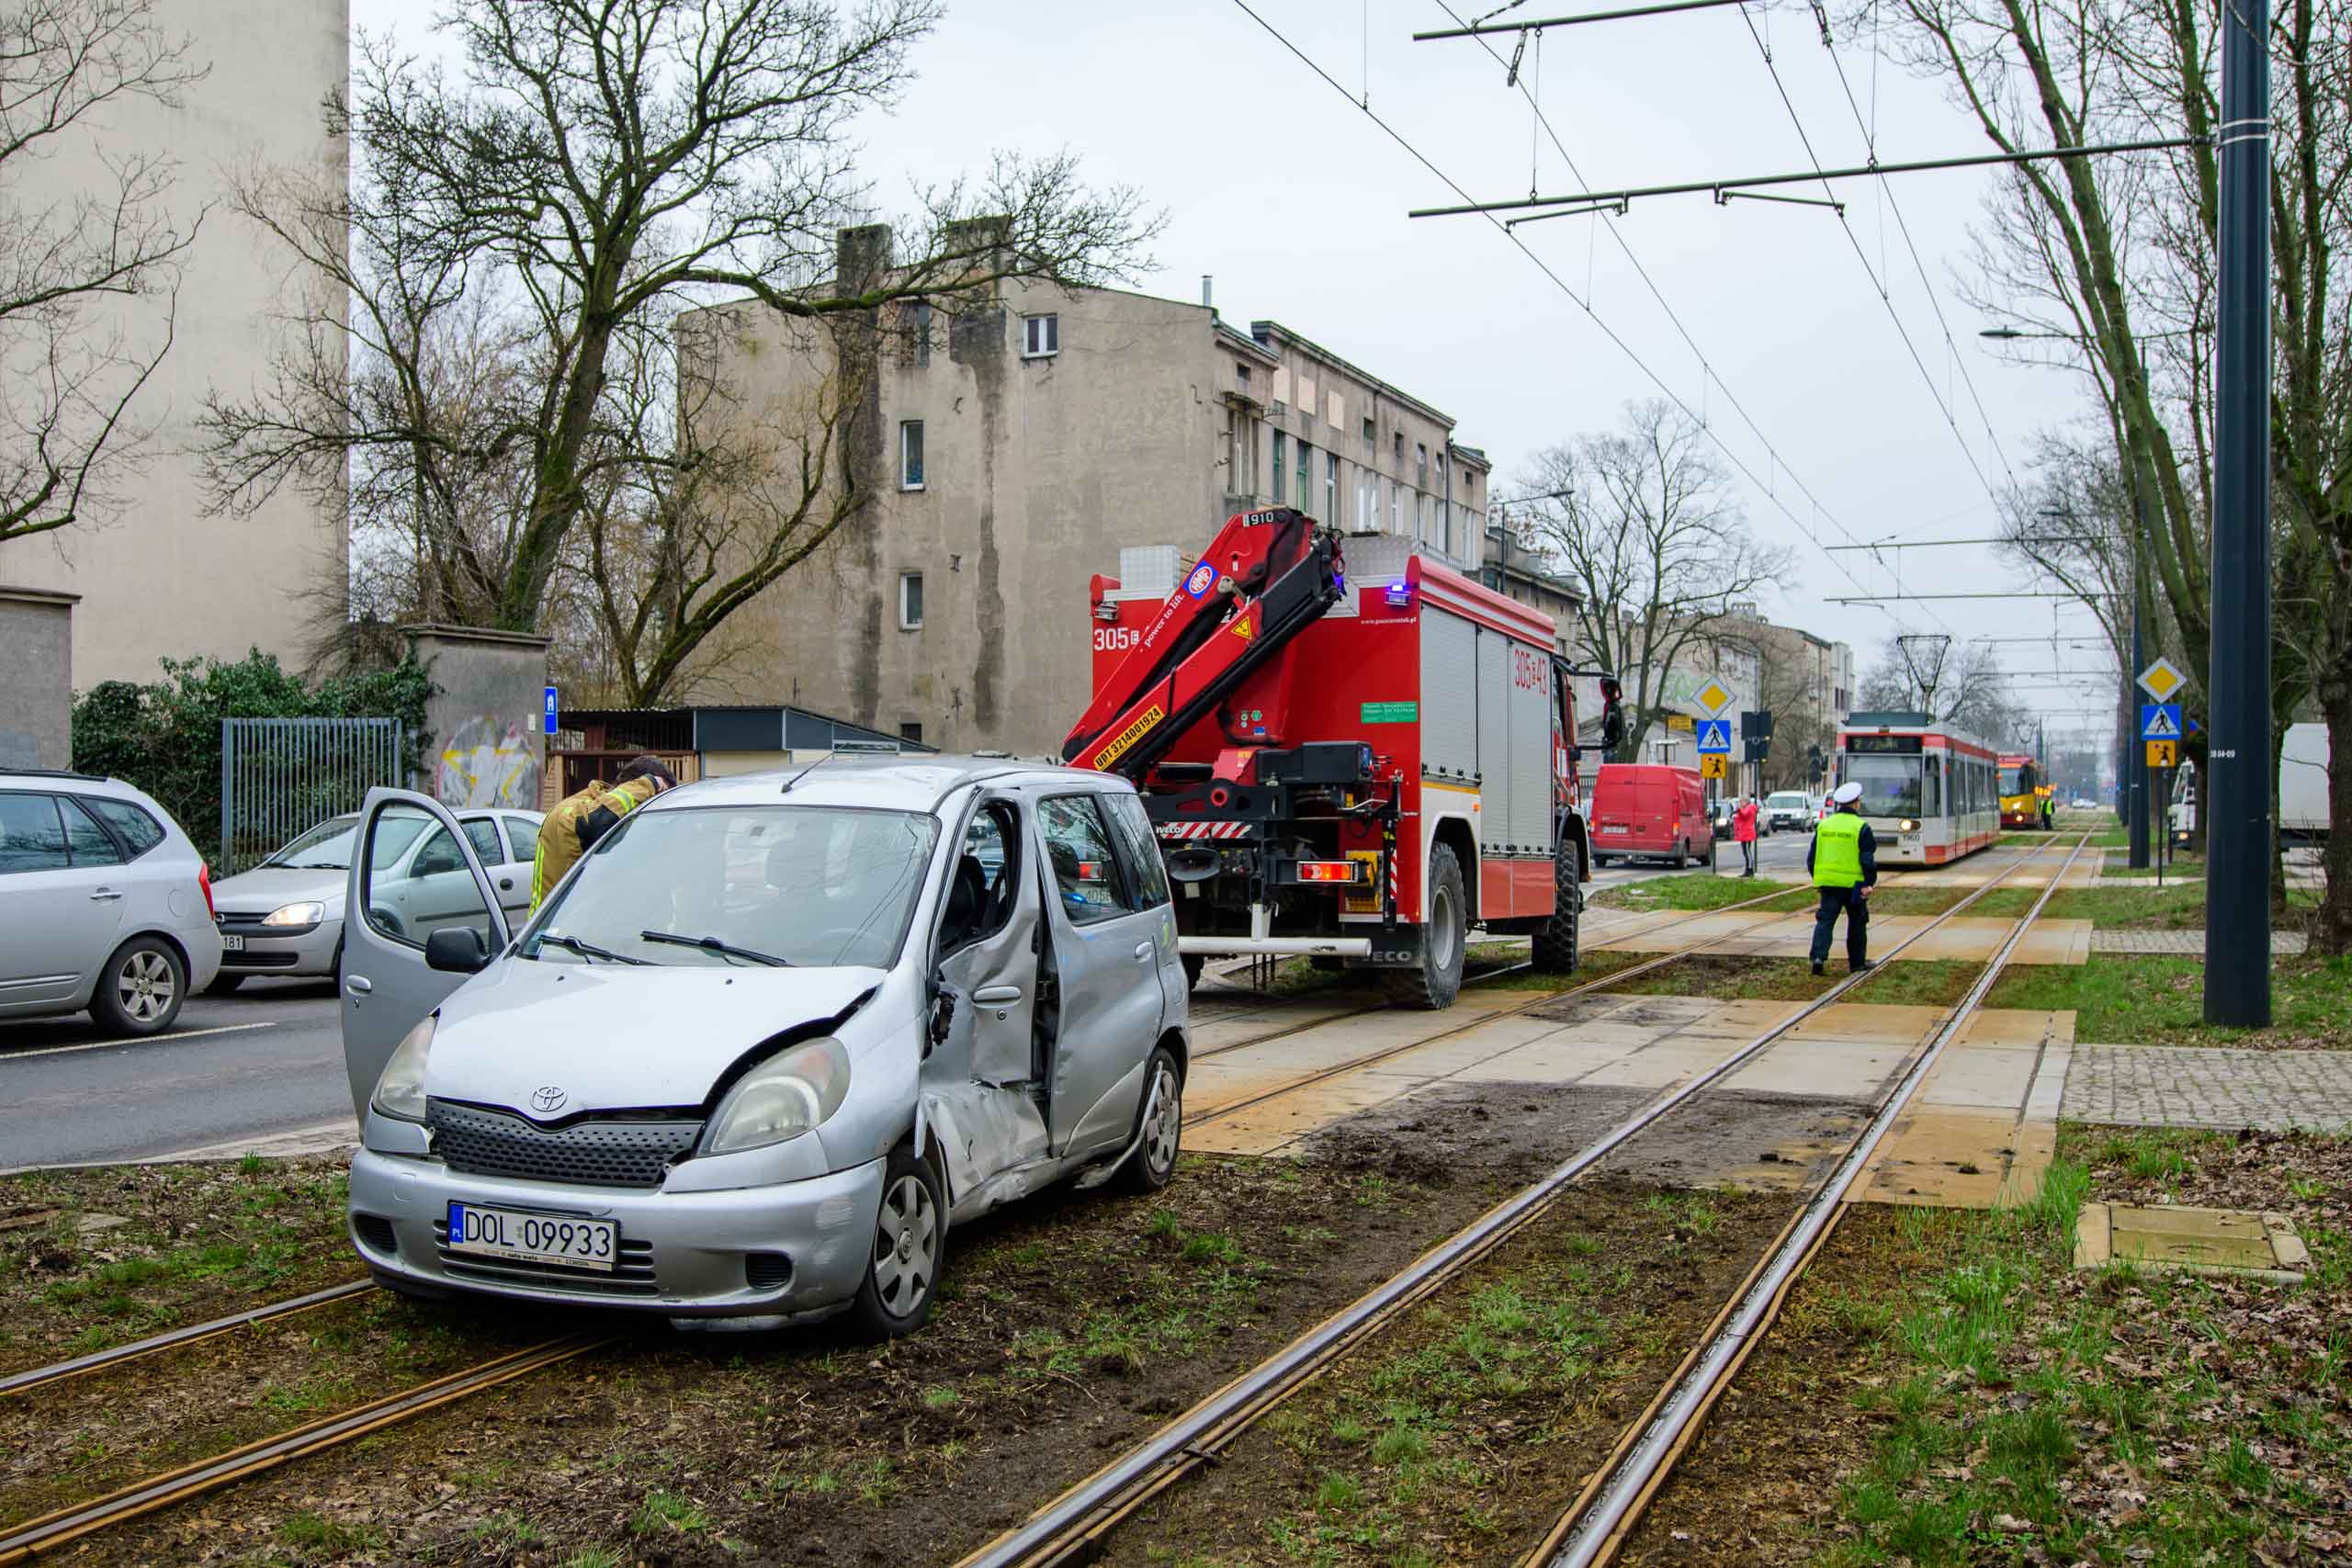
point(766, 1044)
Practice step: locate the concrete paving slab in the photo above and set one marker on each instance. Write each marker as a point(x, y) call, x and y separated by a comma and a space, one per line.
point(2203, 1241)
point(1847, 1069)
point(2016, 1026)
point(1264, 1128)
point(1984, 1078)
point(1944, 1157)
point(1869, 1020)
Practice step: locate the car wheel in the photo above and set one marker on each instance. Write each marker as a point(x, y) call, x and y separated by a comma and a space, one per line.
point(224, 984)
point(1160, 1126)
point(141, 988)
point(909, 1238)
point(1431, 984)
point(1601, 863)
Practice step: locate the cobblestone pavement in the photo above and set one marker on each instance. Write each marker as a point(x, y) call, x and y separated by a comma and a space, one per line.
point(2198, 1085)
point(2191, 943)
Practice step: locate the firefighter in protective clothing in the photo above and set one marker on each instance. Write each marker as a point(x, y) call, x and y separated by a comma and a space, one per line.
point(573, 828)
point(1843, 858)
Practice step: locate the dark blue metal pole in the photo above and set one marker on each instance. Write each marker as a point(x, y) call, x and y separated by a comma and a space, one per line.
point(2237, 879)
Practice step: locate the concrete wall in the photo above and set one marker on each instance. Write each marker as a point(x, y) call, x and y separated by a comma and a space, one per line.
point(158, 577)
point(487, 746)
point(1038, 469)
point(36, 678)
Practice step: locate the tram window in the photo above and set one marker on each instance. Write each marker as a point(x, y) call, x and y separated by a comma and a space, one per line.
point(1931, 788)
point(1890, 784)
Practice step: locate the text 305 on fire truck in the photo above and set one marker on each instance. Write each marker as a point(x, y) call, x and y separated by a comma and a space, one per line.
point(1361, 771)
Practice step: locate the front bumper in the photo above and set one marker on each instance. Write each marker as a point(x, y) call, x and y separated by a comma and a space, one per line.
point(297, 951)
point(683, 1254)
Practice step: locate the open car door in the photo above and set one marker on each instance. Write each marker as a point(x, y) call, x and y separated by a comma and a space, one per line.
point(412, 872)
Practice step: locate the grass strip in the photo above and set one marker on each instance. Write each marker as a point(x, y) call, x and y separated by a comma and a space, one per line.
point(2129, 999)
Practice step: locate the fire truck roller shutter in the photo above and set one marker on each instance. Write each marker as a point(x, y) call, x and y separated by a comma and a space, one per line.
point(1449, 725)
point(1494, 741)
point(1530, 766)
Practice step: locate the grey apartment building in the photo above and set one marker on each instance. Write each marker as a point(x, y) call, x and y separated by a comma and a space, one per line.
point(1020, 449)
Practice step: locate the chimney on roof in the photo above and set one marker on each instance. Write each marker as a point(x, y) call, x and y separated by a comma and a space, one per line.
point(1208, 290)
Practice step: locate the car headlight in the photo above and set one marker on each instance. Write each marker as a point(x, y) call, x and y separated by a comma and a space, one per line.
point(781, 1098)
point(400, 1087)
point(296, 915)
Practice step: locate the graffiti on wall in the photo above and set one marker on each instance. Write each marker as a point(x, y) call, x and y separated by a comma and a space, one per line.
point(488, 762)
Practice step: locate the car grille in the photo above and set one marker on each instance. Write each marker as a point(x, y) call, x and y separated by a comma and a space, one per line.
point(596, 1152)
point(260, 958)
point(632, 1276)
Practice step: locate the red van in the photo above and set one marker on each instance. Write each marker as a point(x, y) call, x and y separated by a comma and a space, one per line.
point(1646, 808)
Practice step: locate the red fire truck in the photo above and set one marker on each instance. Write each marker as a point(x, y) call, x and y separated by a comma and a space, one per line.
point(1357, 768)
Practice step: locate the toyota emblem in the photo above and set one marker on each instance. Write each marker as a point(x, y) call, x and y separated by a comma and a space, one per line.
point(547, 1098)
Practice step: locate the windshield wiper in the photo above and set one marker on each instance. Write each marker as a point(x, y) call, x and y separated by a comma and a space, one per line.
point(724, 949)
point(590, 949)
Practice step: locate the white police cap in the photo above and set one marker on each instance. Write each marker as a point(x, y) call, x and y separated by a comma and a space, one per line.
point(1848, 792)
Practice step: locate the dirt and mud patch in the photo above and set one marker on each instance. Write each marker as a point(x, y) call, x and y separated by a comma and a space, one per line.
point(1458, 1433)
point(1067, 1327)
point(1945, 1388)
point(96, 1258)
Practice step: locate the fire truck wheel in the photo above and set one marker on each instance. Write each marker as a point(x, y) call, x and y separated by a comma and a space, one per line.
point(1556, 942)
point(1431, 984)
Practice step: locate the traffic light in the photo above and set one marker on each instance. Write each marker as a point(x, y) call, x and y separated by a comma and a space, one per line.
point(1814, 763)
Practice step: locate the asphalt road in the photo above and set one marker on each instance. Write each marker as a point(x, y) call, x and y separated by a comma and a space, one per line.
point(240, 1069)
point(265, 1063)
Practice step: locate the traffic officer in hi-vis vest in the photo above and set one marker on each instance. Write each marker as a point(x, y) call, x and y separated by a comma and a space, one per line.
point(1843, 858)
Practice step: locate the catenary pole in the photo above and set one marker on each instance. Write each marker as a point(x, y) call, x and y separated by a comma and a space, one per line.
point(2238, 855)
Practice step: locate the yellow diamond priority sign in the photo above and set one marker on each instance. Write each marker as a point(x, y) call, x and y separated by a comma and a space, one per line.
point(2162, 679)
point(1713, 698)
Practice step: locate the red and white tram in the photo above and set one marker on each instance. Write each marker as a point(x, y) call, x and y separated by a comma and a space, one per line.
point(1931, 792)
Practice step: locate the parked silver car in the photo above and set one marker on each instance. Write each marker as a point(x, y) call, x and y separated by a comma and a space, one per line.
point(109, 906)
point(767, 1042)
point(285, 916)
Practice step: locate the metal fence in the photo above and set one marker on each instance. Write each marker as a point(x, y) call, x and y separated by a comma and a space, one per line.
point(279, 777)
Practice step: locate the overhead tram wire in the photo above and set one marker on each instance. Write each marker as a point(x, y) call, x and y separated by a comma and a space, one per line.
point(1862, 256)
point(1625, 248)
point(1903, 227)
point(1558, 282)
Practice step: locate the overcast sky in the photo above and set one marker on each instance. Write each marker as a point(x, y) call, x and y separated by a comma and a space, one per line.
point(1295, 201)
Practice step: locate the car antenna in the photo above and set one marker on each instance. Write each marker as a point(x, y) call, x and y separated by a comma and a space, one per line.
point(805, 772)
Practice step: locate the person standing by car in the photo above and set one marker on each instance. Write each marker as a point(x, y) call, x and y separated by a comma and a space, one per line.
point(1743, 832)
point(1843, 858)
point(573, 828)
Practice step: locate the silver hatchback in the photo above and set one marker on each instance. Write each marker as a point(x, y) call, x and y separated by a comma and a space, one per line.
point(766, 1043)
point(109, 905)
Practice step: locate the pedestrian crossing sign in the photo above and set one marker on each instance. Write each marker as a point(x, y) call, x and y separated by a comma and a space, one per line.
point(2159, 721)
point(1714, 765)
point(1714, 736)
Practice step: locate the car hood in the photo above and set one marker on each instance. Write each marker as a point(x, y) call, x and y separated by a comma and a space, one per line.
point(612, 1037)
point(266, 887)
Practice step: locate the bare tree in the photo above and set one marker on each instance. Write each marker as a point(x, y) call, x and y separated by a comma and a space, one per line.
point(1961, 684)
point(1643, 518)
point(70, 367)
point(594, 168)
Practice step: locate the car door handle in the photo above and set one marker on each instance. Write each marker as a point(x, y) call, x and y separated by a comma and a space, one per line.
point(358, 985)
point(996, 995)
point(104, 894)
point(1144, 951)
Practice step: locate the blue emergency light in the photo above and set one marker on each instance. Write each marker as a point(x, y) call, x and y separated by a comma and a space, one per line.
point(1400, 593)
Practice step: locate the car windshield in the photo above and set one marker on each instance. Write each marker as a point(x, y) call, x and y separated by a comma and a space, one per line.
point(1787, 800)
point(1890, 784)
point(815, 886)
point(327, 847)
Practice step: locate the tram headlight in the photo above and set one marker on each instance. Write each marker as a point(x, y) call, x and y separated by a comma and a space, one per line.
point(1906, 826)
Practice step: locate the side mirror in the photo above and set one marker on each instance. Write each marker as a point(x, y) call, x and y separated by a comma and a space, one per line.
point(456, 950)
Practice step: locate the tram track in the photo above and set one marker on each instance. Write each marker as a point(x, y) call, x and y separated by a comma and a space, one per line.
point(45, 1533)
point(1074, 1526)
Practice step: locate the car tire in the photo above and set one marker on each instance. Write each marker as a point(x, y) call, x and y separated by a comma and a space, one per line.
point(141, 988)
point(1601, 863)
point(1431, 984)
point(1554, 947)
point(1160, 1126)
point(902, 1278)
point(222, 984)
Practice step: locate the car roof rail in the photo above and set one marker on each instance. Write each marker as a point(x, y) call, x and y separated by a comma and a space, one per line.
point(12, 770)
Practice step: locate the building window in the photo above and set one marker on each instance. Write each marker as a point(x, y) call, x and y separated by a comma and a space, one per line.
point(1306, 468)
point(1421, 464)
point(1281, 468)
point(910, 730)
point(1399, 442)
point(1427, 536)
point(910, 601)
point(911, 454)
point(1370, 441)
point(1241, 376)
point(1331, 488)
point(1041, 336)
